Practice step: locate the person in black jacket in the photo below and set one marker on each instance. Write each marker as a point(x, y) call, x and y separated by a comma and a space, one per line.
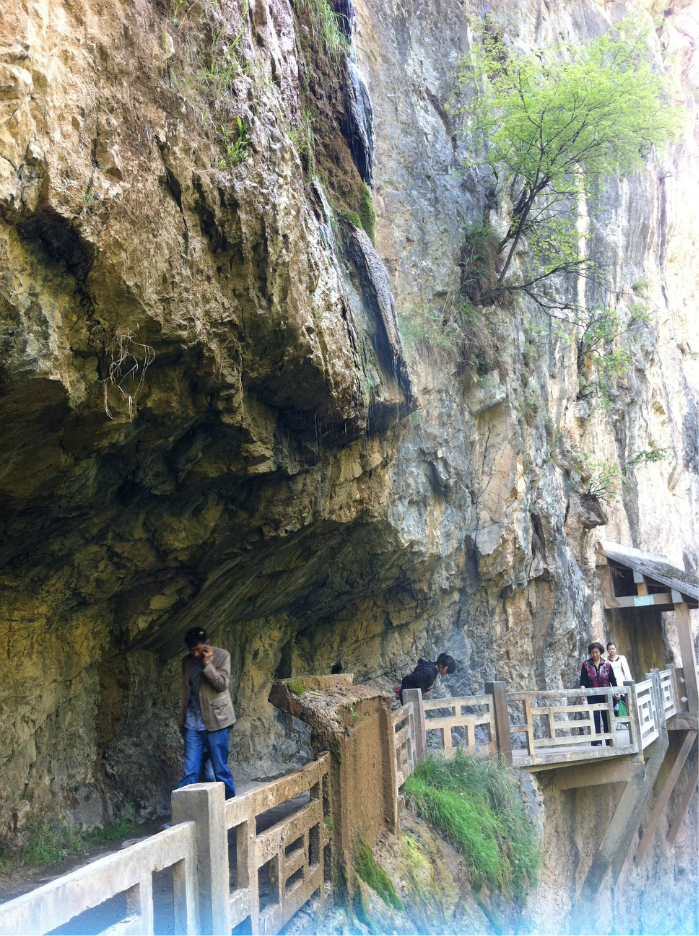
point(425, 673)
point(595, 673)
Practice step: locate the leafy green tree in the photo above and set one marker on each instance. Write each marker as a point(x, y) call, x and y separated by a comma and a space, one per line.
point(553, 125)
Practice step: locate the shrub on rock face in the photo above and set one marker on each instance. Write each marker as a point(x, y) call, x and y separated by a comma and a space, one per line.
point(476, 804)
point(553, 126)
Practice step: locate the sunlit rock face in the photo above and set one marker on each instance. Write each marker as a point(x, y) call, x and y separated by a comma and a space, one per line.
point(287, 474)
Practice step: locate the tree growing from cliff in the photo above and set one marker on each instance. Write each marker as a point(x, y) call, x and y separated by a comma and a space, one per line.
point(553, 126)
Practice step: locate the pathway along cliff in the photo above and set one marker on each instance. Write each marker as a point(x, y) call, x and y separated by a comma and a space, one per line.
point(255, 376)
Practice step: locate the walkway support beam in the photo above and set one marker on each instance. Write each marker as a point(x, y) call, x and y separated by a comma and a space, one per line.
point(689, 661)
point(664, 794)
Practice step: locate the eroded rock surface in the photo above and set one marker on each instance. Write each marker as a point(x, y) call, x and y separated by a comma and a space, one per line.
point(286, 474)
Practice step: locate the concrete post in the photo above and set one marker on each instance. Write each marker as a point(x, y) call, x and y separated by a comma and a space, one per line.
point(390, 780)
point(204, 803)
point(415, 696)
point(498, 690)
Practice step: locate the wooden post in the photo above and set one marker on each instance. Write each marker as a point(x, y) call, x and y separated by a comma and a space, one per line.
point(684, 805)
point(641, 585)
point(415, 696)
point(604, 574)
point(680, 691)
point(689, 662)
point(531, 750)
point(664, 794)
point(660, 719)
point(635, 723)
point(390, 779)
point(498, 690)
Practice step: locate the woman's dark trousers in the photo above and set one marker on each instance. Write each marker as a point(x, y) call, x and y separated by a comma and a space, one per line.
point(603, 720)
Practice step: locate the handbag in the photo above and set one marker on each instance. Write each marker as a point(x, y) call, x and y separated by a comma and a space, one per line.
point(621, 709)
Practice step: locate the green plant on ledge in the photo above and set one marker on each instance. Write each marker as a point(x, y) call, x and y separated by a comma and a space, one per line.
point(235, 142)
point(296, 686)
point(601, 480)
point(477, 805)
point(326, 28)
point(455, 329)
point(51, 842)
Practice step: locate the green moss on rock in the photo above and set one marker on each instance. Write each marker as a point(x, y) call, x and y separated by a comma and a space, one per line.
point(367, 214)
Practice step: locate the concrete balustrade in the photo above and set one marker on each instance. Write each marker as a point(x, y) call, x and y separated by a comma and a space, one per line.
point(130, 871)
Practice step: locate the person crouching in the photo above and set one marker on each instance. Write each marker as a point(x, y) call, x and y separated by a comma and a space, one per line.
point(425, 674)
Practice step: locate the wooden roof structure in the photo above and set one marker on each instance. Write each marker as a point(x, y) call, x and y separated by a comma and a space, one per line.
point(658, 583)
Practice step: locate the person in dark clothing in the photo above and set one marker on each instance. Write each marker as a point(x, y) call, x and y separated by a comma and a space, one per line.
point(425, 673)
point(594, 674)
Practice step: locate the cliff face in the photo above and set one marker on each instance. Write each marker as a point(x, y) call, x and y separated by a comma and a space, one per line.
point(209, 416)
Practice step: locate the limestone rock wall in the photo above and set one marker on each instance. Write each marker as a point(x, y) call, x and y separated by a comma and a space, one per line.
point(287, 474)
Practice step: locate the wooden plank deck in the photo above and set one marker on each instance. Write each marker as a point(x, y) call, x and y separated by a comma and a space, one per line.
point(548, 757)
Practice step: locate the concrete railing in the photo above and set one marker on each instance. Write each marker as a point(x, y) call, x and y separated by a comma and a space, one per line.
point(130, 871)
point(275, 872)
point(295, 851)
point(403, 721)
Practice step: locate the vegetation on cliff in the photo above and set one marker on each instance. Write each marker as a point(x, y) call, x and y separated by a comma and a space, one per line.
point(553, 125)
point(476, 804)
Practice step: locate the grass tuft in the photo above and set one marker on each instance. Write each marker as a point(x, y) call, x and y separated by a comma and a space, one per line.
point(371, 872)
point(454, 329)
point(296, 686)
point(327, 28)
point(53, 842)
point(477, 805)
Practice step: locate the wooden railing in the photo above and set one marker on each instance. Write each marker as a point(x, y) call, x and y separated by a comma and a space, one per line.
point(462, 715)
point(550, 719)
point(292, 852)
point(558, 725)
point(667, 686)
point(130, 871)
point(648, 719)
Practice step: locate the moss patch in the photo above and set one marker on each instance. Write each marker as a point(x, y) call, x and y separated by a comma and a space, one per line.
point(371, 872)
point(296, 686)
point(360, 909)
point(367, 215)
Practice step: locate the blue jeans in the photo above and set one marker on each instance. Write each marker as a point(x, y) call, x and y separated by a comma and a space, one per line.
point(195, 745)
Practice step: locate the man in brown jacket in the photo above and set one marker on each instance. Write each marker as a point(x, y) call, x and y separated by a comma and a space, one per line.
point(207, 710)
